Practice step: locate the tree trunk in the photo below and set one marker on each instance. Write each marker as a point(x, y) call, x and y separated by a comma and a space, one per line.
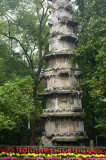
point(93, 123)
point(32, 138)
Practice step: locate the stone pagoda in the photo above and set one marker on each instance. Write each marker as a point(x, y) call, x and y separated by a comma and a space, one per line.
point(63, 113)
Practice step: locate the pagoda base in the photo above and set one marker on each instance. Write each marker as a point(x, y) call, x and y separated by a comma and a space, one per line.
point(63, 140)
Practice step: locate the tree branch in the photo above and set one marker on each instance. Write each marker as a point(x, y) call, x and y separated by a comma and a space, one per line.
point(25, 51)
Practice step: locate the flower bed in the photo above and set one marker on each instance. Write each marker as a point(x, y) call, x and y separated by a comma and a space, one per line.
point(50, 154)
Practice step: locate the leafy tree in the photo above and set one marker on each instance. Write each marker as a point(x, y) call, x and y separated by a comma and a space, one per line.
point(15, 101)
point(90, 56)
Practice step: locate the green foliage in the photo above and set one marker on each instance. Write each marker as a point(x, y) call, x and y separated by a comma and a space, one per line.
point(24, 26)
point(10, 4)
point(2, 71)
point(90, 56)
point(15, 101)
point(16, 90)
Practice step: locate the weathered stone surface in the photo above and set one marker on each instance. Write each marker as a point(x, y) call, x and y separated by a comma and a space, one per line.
point(63, 91)
point(65, 114)
point(58, 54)
point(57, 81)
point(68, 37)
point(68, 134)
point(56, 44)
point(68, 139)
point(64, 20)
point(61, 2)
point(63, 102)
point(52, 110)
point(59, 62)
point(65, 127)
point(61, 29)
point(46, 141)
point(66, 71)
point(56, 10)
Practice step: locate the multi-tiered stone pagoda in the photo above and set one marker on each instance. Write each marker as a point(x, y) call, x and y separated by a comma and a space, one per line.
point(63, 113)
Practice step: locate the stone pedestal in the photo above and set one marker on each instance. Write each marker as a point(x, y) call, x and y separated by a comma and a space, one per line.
point(63, 113)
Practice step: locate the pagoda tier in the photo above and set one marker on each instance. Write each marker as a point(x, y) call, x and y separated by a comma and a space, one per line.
point(65, 21)
point(63, 113)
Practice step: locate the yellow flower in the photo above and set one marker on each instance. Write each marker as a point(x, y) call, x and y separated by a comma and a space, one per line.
point(11, 154)
point(43, 155)
point(72, 154)
point(65, 154)
point(48, 155)
point(17, 154)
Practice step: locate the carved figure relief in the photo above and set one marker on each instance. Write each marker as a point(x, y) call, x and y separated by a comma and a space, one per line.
point(52, 103)
point(58, 28)
point(71, 128)
point(50, 127)
point(77, 102)
point(63, 102)
point(64, 126)
point(57, 45)
point(49, 104)
point(57, 127)
point(75, 82)
point(79, 126)
point(58, 63)
point(56, 14)
point(57, 82)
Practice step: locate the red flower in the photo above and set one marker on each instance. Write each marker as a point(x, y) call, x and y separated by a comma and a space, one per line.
point(30, 150)
point(99, 151)
point(69, 150)
point(75, 150)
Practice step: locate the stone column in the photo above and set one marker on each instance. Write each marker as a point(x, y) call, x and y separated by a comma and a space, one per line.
point(63, 113)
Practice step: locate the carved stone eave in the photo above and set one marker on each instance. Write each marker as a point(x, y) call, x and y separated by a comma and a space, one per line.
point(77, 73)
point(49, 74)
point(79, 115)
point(75, 109)
point(61, 6)
point(61, 70)
point(64, 20)
point(69, 35)
point(66, 37)
point(68, 134)
point(69, 38)
point(73, 93)
point(57, 69)
point(58, 54)
point(61, 52)
point(68, 139)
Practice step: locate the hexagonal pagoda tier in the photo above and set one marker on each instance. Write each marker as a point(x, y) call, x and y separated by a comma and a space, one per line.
point(63, 113)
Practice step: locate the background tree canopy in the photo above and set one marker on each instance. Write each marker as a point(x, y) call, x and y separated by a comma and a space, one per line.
point(90, 56)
